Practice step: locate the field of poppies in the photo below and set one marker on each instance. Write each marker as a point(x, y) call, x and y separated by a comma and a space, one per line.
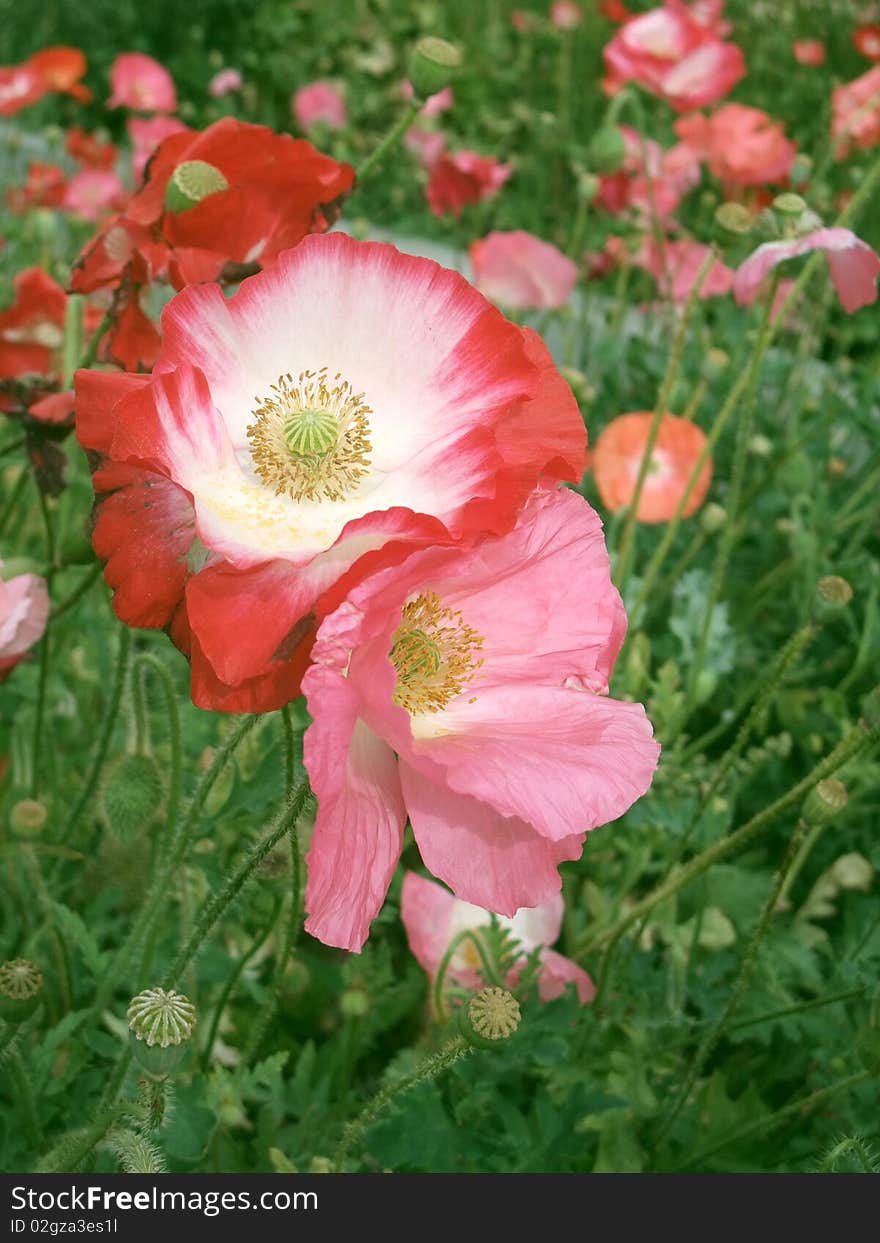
point(440, 586)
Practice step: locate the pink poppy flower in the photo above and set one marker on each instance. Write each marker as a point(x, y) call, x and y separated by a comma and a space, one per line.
point(566, 15)
point(742, 146)
point(427, 144)
point(224, 82)
point(521, 271)
point(852, 264)
point(146, 134)
point(617, 457)
point(141, 83)
point(855, 114)
point(434, 105)
point(301, 445)
point(93, 192)
point(466, 689)
point(20, 86)
point(679, 264)
point(675, 55)
point(650, 180)
point(432, 917)
point(809, 52)
point(24, 611)
point(318, 103)
point(462, 178)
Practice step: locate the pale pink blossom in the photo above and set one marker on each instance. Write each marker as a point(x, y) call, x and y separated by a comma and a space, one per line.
point(24, 611)
point(433, 917)
point(676, 54)
point(427, 144)
point(855, 114)
point(224, 82)
point(852, 265)
point(566, 15)
point(434, 105)
point(742, 146)
point(93, 192)
point(145, 135)
point(466, 690)
point(809, 52)
point(676, 264)
point(521, 271)
point(318, 103)
point(139, 82)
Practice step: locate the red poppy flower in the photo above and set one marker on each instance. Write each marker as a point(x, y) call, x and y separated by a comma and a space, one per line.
point(60, 69)
point(867, 41)
point(88, 150)
point(44, 187)
point(462, 178)
point(617, 457)
point(33, 327)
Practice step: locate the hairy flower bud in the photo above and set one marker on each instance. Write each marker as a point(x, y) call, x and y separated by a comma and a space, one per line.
point(130, 796)
point(28, 817)
point(21, 987)
point(833, 594)
point(824, 801)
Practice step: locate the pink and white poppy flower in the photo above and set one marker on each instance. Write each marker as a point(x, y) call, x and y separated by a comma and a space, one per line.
point(433, 917)
point(318, 103)
point(349, 403)
point(141, 83)
point(466, 689)
point(24, 611)
point(852, 264)
point(521, 271)
point(224, 82)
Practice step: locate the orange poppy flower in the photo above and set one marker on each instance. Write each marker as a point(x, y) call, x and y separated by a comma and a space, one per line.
point(60, 70)
point(617, 456)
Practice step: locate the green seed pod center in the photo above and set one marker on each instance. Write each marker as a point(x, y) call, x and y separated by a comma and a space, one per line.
point(311, 433)
point(192, 181)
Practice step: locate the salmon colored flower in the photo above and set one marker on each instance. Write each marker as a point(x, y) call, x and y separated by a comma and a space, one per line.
point(809, 52)
point(88, 150)
point(466, 689)
point(60, 69)
point(742, 146)
point(92, 193)
point(344, 406)
point(672, 53)
point(319, 103)
point(855, 114)
point(866, 39)
point(24, 611)
point(32, 330)
point(676, 264)
point(521, 271)
point(566, 15)
point(617, 457)
point(224, 82)
point(142, 84)
point(433, 917)
point(461, 178)
point(852, 265)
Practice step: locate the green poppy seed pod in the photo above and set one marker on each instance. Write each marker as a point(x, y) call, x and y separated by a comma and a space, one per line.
point(607, 150)
point(801, 170)
point(21, 989)
point(588, 186)
point(713, 517)
point(734, 218)
point(760, 446)
point(130, 796)
point(160, 1024)
point(354, 1003)
point(434, 64)
point(824, 801)
point(789, 204)
point(192, 181)
point(28, 818)
point(491, 1015)
point(871, 708)
point(833, 595)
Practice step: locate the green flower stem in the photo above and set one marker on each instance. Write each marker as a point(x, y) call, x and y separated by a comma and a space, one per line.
point(711, 1039)
point(490, 974)
point(234, 977)
point(858, 739)
point(814, 1003)
point(11, 506)
point(18, 1074)
point(450, 1053)
point(107, 726)
point(40, 892)
point(76, 594)
point(72, 1150)
point(168, 867)
point(91, 351)
point(143, 664)
point(851, 1145)
point(862, 195)
point(73, 333)
point(789, 655)
point(797, 1109)
point(12, 446)
point(389, 142)
point(625, 548)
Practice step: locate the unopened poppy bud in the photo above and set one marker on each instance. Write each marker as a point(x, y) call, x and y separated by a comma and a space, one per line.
point(130, 796)
point(760, 446)
point(801, 170)
point(734, 217)
point(833, 594)
point(192, 181)
point(434, 64)
point(588, 186)
point(491, 1015)
point(713, 517)
point(28, 818)
point(789, 204)
point(852, 871)
point(21, 987)
point(824, 801)
point(354, 1003)
point(160, 1024)
point(607, 149)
